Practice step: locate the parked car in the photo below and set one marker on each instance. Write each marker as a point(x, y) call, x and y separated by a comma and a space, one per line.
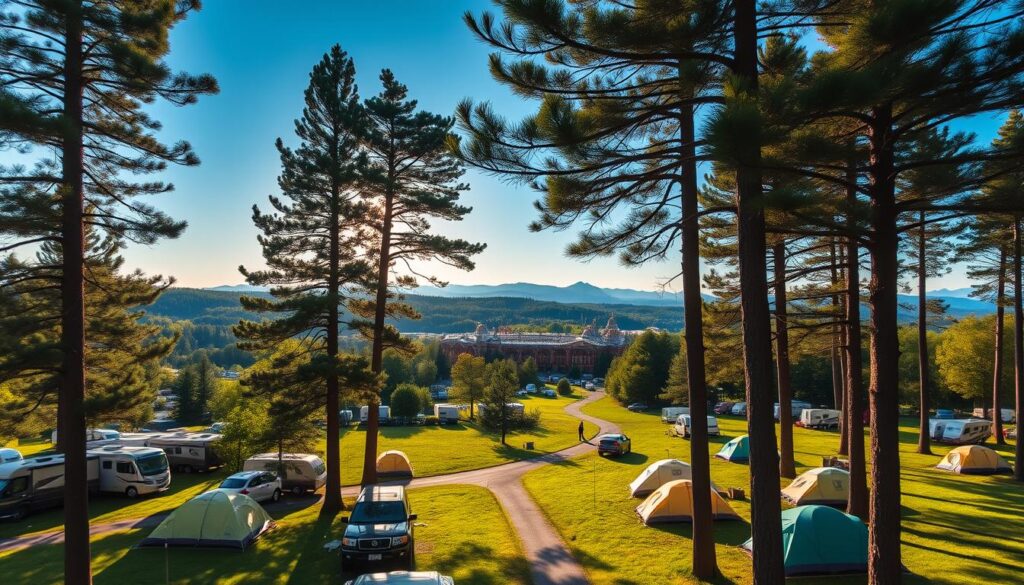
point(531, 388)
point(614, 445)
point(637, 407)
point(403, 578)
point(548, 392)
point(521, 393)
point(258, 485)
point(1010, 433)
point(682, 426)
point(724, 407)
point(739, 409)
point(380, 529)
point(590, 386)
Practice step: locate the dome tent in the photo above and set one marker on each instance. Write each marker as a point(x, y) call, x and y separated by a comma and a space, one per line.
point(673, 502)
point(736, 450)
point(394, 464)
point(818, 540)
point(828, 486)
point(975, 460)
point(212, 519)
point(658, 474)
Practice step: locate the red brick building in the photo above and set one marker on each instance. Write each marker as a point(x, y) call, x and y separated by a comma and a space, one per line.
point(553, 352)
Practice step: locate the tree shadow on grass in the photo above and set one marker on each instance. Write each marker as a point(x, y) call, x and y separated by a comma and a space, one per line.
point(509, 569)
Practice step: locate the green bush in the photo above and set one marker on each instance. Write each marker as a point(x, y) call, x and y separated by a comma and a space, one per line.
point(564, 387)
point(406, 401)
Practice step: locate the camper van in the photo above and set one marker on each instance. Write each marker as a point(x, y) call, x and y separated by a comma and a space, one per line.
point(302, 472)
point(671, 413)
point(1007, 414)
point(739, 409)
point(682, 426)
point(447, 413)
point(132, 471)
point(796, 406)
point(38, 483)
point(819, 418)
point(383, 414)
point(960, 431)
point(94, 437)
point(186, 451)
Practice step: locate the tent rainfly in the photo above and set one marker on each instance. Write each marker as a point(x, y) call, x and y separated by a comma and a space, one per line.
point(828, 486)
point(393, 464)
point(212, 519)
point(974, 459)
point(819, 540)
point(673, 502)
point(658, 474)
point(736, 450)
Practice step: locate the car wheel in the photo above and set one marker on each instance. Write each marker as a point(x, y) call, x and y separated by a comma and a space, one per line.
point(131, 492)
point(186, 469)
point(298, 490)
point(276, 497)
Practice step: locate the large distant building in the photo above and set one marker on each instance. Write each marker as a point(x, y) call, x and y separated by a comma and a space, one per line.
point(553, 352)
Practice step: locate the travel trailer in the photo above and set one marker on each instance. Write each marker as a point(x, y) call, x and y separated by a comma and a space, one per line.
point(302, 472)
point(383, 414)
point(1007, 414)
point(186, 451)
point(960, 431)
point(447, 413)
point(796, 406)
point(94, 437)
point(38, 483)
point(669, 414)
point(132, 471)
point(682, 426)
point(819, 418)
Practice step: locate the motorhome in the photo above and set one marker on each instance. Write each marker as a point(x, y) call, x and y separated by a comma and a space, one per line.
point(94, 437)
point(682, 426)
point(186, 451)
point(1006, 414)
point(447, 413)
point(301, 472)
point(819, 418)
point(669, 414)
point(960, 431)
point(38, 483)
point(132, 471)
point(796, 407)
point(8, 455)
point(383, 413)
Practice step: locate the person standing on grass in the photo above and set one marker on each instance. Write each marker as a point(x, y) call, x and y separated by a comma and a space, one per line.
point(582, 438)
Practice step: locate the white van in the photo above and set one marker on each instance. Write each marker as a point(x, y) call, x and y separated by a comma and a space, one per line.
point(1007, 414)
point(132, 471)
point(37, 483)
point(94, 437)
point(302, 471)
point(739, 409)
point(682, 426)
point(819, 418)
point(960, 431)
point(383, 413)
point(796, 407)
point(447, 413)
point(669, 414)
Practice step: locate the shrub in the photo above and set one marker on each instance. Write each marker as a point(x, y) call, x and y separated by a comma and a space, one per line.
point(406, 401)
point(490, 419)
point(431, 421)
point(564, 387)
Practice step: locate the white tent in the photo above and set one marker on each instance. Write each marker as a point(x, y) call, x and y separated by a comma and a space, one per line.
point(658, 474)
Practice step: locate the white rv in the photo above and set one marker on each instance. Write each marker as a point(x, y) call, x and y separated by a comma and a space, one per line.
point(1007, 414)
point(669, 414)
point(447, 413)
point(819, 418)
point(682, 426)
point(796, 407)
point(383, 413)
point(94, 437)
point(38, 483)
point(186, 452)
point(960, 431)
point(8, 455)
point(302, 472)
point(132, 471)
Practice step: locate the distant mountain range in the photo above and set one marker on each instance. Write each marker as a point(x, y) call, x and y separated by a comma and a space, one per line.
point(580, 292)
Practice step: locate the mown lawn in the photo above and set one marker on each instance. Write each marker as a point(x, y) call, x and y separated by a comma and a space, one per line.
point(486, 554)
point(956, 529)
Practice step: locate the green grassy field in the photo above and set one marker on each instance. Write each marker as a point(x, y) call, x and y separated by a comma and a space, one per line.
point(956, 529)
point(486, 554)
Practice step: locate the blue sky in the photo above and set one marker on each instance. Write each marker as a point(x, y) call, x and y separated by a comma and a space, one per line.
point(261, 52)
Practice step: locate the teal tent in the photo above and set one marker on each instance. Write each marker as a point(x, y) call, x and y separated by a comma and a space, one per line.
point(819, 540)
point(736, 450)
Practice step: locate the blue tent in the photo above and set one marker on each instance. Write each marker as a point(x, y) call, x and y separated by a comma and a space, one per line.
point(819, 540)
point(736, 450)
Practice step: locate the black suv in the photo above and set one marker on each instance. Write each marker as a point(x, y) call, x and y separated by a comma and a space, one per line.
point(380, 529)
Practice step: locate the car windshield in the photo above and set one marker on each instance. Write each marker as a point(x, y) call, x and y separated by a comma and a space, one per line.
point(372, 512)
point(152, 464)
point(233, 483)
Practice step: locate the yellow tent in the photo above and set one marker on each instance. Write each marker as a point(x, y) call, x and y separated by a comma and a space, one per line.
point(658, 474)
point(974, 459)
point(394, 464)
point(828, 486)
point(673, 502)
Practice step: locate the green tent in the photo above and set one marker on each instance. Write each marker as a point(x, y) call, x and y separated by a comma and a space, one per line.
point(819, 540)
point(212, 519)
point(736, 450)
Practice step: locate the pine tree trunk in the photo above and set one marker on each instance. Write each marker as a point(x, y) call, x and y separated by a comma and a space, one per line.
point(884, 566)
point(923, 435)
point(857, 504)
point(838, 371)
point(765, 522)
point(787, 468)
point(77, 570)
point(1018, 350)
point(705, 564)
point(332, 487)
point(997, 367)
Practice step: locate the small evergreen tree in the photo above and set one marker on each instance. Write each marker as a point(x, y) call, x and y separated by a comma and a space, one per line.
point(564, 387)
point(502, 385)
point(469, 378)
point(406, 401)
